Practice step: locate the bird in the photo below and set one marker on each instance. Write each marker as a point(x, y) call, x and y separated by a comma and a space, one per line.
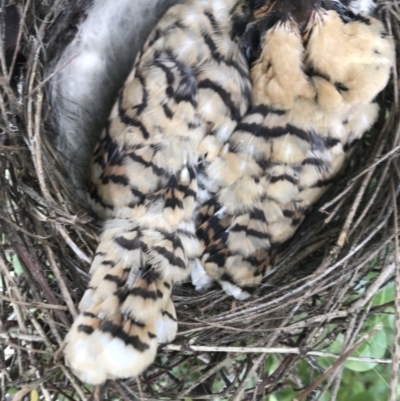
point(187, 91)
point(195, 171)
point(316, 69)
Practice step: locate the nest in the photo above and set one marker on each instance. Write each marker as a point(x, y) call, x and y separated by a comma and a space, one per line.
point(322, 286)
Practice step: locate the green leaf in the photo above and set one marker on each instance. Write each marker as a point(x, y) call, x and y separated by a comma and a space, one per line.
point(16, 265)
point(364, 396)
point(375, 348)
point(284, 395)
point(384, 296)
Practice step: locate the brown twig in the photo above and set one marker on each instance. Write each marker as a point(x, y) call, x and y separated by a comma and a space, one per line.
point(336, 365)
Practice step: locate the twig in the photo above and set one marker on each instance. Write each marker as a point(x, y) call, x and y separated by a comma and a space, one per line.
point(203, 377)
point(72, 245)
point(50, 76)
point(262, 350)
point(20, 229)
point(61, 282)
point(394, 379)
point(74, 383)
point(239, 392)
point(379, 161)
point(17, 46)
point(37, 275)
point(21, 336)
point(354, 207)
point(309, 281)
point(386, 273)
point(33, 304)
point(338, 363)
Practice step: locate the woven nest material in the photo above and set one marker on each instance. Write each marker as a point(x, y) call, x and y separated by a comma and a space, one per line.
point(323, 284)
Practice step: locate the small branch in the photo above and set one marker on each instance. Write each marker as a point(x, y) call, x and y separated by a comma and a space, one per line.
point(203, 378)
point(394, 378)
point(50, 76)
point(387, 272)
point(37, 275)
point(18, 44)
point(38, 305)
point(345, 356)
point(20, 336)
point(74, 383)
point(72, 245)
point(262, 350)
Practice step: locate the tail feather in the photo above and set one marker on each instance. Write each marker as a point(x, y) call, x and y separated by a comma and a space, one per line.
point(167, 324)
point(127, 310)
point(111, 340)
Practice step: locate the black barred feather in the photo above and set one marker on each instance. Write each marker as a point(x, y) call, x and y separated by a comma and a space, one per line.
point(187, 183)
point(188, 89)
point(313, 97)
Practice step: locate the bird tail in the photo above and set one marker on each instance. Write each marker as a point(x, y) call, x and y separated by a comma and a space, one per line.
point(127, 310)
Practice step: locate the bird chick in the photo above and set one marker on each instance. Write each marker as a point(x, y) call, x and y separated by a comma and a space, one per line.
point(314, 86)
point(189, 88)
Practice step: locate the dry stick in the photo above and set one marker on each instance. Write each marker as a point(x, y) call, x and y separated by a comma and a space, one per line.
point(335, 211)
point(38, 305)
point(239, 392)
point(14, 105)
point(20, 229)
point(336, 379)
point(2, 45)
point(61, 282)
point(203, 377)
point(338, 363)
point(21, 336)
point(17, 46)
point(372, 290)
point(2, 108)
point(379, 161)
point(10, 344)
point(30, 99)
point(212, 304)
point(27, 388)
point(45, 392)
point(41, 332)
point(309, 281)
point(17, 294)
point(350, 185)
point(337, 376)
point(72, 244)
point(372, 199)
point(123, 392)
point(37, 154)
point(50, 76)
point(357, 201)
point(37, 275)
point(266, 350)
point(394, 70)
point(396, 343)
point(9, 281)
point(74, 383)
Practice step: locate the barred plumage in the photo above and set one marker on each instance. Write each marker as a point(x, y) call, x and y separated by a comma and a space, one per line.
point(177, 144)
point(313, 98)
point(188, 89)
